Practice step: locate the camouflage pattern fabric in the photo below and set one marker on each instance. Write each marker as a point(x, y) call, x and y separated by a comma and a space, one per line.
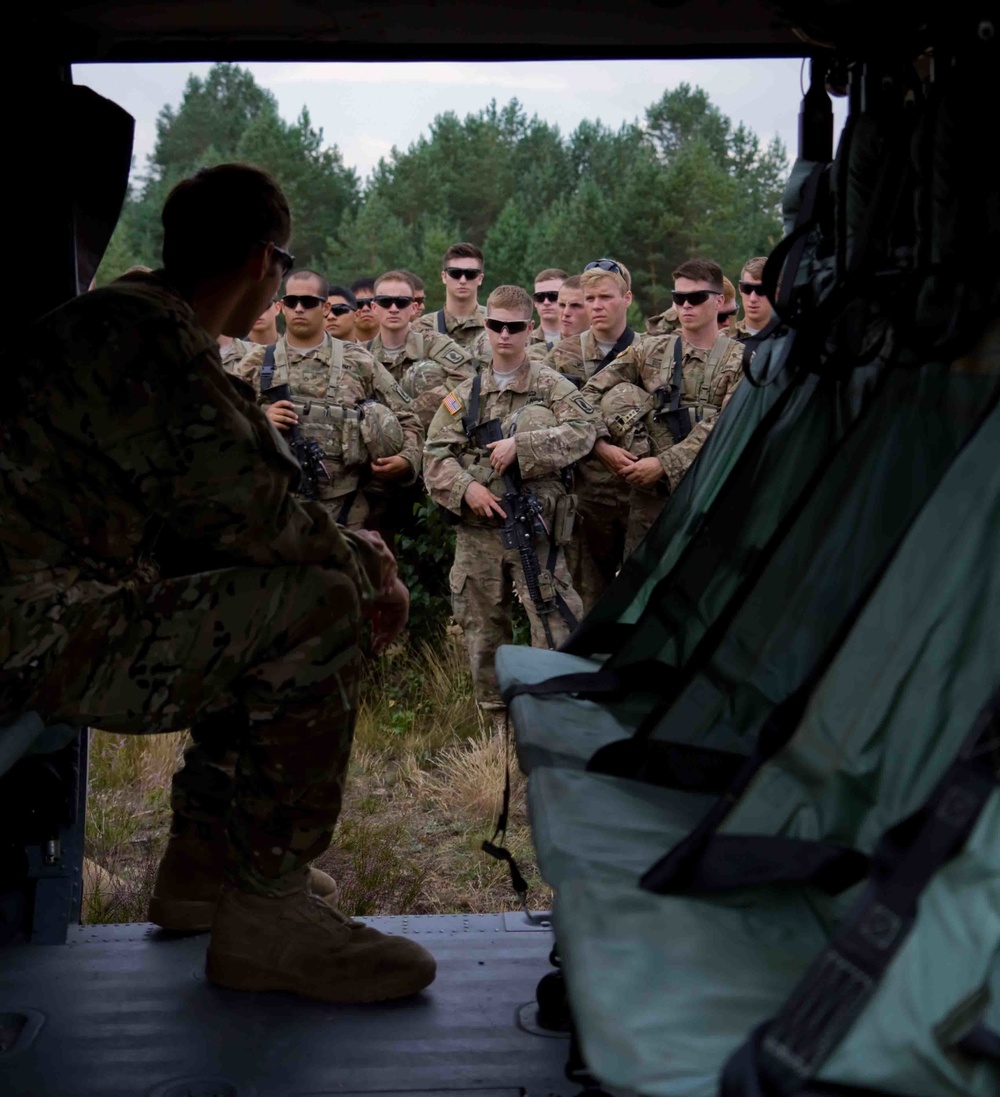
point(232, 354)
point(421, 346)
point(483, 572)
point(649, 363)
point(319, 397)
point(469, 331)
point(538, 349)
point(663, 323)
point(123, 426)
point(598, 546)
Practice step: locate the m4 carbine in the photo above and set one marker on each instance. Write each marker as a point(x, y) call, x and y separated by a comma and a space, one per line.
point(522, 525)
point(307, 451)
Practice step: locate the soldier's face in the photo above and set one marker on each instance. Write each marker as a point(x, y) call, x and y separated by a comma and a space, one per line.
point(572, 312)
point(340, 324)
point(305, 323)
point(464, 280)
point(548, 311)
point(393, 319)
point(756, 307)
point(606, 308)
point(265, 321)
point(728, 315)
point(696, 317)
point(507, 345)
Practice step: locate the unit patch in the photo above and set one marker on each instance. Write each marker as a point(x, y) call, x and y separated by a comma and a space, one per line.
point(456, 357)
point(587, 409)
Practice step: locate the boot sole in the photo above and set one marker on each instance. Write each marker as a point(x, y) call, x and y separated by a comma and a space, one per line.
point(241, 973)
point(182, 915)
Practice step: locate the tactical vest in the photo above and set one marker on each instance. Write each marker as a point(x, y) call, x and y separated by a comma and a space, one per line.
point(675, 406)
point(326, 420)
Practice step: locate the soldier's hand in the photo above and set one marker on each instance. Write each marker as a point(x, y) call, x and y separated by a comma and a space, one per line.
point(613, 458)
point(282, 414)
point(503, 453)
point(391, 468)
point(388, 615)
point(643, 473)
point(480, 500)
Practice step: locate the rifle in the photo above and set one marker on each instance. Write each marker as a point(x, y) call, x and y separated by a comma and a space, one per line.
point(522, 525)
point(307, 451)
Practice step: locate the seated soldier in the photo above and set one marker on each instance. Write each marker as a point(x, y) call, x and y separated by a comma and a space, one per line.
point(691, 374)
point(123, 436)
point(360, 422)
point(546, 426)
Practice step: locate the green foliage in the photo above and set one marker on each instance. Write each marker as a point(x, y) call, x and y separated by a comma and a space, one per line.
point(425, 550)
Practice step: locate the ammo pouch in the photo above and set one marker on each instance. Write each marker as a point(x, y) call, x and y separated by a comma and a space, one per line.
point(338, 431)
point(563, 519)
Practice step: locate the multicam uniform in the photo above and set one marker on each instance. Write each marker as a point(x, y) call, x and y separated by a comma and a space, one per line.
point(331, 385)
point(123, 424)
point(663, 323)
point(598, 546)
point(427, 367)
point(554, 427)
point(235, 351)
point(706, 382)
point(468, 331)
point(538, 349)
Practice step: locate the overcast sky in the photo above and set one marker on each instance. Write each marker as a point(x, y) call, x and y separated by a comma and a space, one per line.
point(366, 108)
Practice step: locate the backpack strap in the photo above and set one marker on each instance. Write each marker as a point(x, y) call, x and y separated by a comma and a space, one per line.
point(441, 325)
point(471, 421)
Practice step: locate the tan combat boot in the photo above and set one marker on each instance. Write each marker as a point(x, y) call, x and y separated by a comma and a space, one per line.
point(188, 882)
point(300, 944)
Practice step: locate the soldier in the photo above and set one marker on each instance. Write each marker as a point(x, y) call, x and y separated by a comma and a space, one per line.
point(365, 323)
point(598, 547)
point(665, 323)
point(691, 375)
point(419, 296)
point(462, 316)
point(341, 399)
point(264, 331)
point(125, 432)
point(546, 426)
point(340, 319)
point(757, 311)
point(546, 296)
point(572, 308)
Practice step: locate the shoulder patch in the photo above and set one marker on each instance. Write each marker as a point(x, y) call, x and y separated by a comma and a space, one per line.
point(452, 403)
point(456, 357)
point(583, 405)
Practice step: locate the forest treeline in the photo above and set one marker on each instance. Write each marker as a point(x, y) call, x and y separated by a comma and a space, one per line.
point(684, 181)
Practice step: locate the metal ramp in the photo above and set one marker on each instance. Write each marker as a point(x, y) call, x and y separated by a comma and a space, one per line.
point(125, 1011)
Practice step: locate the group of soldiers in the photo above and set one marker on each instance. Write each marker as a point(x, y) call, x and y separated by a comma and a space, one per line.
point(596, 422)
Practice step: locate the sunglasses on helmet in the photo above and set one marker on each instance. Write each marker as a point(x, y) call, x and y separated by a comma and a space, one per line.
point(604, 264)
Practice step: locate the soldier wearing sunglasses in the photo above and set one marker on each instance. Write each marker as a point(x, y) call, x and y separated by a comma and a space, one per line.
point(548, 282)
point(462, 317)
point(546, 427)
point(339, 321)
point(757, 311)
point(340, 397)
point(691, 375)
point(365, 323)
point(667, 322)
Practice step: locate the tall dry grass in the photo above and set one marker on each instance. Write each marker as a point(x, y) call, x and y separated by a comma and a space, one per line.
point(424, 789)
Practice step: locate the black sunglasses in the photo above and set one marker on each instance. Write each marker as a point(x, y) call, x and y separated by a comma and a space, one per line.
point(515, 327)
point(384, 302)
point(752, 287)
point(546, 295)
point(725, 317)
point(695, 297)
point(419, 300)
point(462, 272)
point(365, 302)
point(340, 310)
point(285, 257)
point(306, 300)
point(604, 264)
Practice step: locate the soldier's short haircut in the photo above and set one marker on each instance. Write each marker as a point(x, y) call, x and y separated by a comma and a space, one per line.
point(363, 283)
point(395, 276)
point(418, 282)
point(754, 268)
point(728, 289)
point(342, 291)
point(462, 251)
point(322, 286)
point(596, 274)
point(701, 270)
point(550, 274)
point(513, 298)
point(572, 282)
point(213, 220)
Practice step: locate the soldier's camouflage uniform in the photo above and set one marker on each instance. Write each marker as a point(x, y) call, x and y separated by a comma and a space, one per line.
point(597, 548)
point(468, 331)
point(120, 426)
point(232, 354)
point(708, 379)
point(663, 323)
point(328, 393)
point(538, 349)
point(483, 570)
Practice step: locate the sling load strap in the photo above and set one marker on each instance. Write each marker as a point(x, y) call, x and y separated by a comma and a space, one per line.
point(568, 616)
point(833, 993)
point(644, 676)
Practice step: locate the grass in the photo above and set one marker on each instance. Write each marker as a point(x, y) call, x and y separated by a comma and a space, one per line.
point(424, 789)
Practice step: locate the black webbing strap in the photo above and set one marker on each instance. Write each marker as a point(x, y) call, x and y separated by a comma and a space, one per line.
point(471, 420)
point(495, 846)
point(441, 325)
point(981, 1043)
point(623, 342)
point(832, 994)
point(782, 266)
point(674, 765)
point(750, 349)
point(267, 369)
point(636, 677)
point(568, 616)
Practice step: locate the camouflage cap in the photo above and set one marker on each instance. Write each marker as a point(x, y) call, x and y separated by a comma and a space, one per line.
point(623, 409)
point(380, 430)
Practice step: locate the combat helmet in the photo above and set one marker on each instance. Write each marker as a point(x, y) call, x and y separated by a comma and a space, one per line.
point(380, 430)
point(530, 417)
point(624, 409)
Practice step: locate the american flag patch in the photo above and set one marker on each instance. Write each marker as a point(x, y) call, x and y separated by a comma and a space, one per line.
point(452, 403)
